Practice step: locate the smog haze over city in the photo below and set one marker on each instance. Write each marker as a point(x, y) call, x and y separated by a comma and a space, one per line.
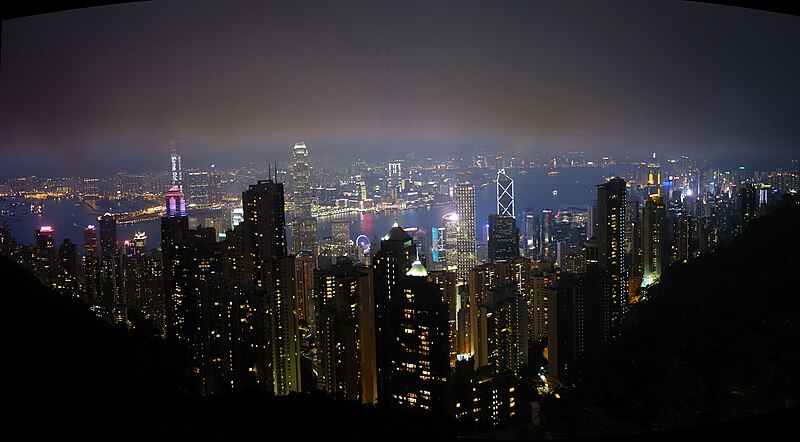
point(96, 90)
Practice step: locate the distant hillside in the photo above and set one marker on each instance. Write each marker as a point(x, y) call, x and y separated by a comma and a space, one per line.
point(719, 340)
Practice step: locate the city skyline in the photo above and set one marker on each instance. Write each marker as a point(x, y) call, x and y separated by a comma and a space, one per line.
point(454, 218)
point(237, 83)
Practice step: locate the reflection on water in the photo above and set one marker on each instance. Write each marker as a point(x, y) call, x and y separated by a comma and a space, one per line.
point(535, 189)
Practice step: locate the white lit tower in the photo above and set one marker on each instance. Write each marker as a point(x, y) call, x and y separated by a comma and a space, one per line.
point(304, 225)
point(465, 241)
point(505, 194)
point(177, 172)
point(394, 182)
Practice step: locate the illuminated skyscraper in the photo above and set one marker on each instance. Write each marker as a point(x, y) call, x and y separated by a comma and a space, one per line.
point(176, 271)
point(450, 240)
point(340, 230)
point(7, 243)
point(275, 273)
point(46, 264)
point(67, 278)
point(654, 224)
point(748, 202)
point(503, 238)
point(91, 266)
point(304, 226)
point(199, 189)
point(438, 236)
point(133, 266)
point(394, 179)
point(531, 231)
point(110, 275)
point(612, 205)
point(465, 242)
point(177, 171)
point(175, 203)
point(420, 341)
point(237, 216)
point(653, 177)
point(547, 242)
point(304, 288)
point(344, 321)
point(392, 261)
point(505, 194)
point(502, 330)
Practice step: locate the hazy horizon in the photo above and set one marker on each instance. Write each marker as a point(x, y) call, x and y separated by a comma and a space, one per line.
point(95, 90)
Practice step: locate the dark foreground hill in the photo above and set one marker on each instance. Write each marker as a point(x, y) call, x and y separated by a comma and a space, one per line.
point(718, 341)
point(69, 373)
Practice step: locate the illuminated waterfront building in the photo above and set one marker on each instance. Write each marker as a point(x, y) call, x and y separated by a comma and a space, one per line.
point(394, 180)
point(340, 230)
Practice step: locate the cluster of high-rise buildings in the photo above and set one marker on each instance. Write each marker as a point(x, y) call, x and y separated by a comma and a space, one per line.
point(419, 321)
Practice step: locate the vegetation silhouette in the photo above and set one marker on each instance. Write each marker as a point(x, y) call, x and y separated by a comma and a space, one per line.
point(718, 340)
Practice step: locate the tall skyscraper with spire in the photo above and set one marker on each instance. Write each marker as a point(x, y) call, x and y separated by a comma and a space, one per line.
point(304, 225)
point(654, 177)
point(177, 171)
point(505, 194)
point(465, 242)
point(503, 241)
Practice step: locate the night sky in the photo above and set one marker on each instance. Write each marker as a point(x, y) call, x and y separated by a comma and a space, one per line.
point(95, 90)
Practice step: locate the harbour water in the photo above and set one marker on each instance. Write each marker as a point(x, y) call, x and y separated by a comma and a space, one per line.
point(535, 189)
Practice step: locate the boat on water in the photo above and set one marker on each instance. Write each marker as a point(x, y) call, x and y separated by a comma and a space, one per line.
point(37, 208)
point(555, 193)
point(553, 173)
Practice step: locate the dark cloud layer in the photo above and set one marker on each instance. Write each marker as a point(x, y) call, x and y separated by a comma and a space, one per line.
point(110, 87)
